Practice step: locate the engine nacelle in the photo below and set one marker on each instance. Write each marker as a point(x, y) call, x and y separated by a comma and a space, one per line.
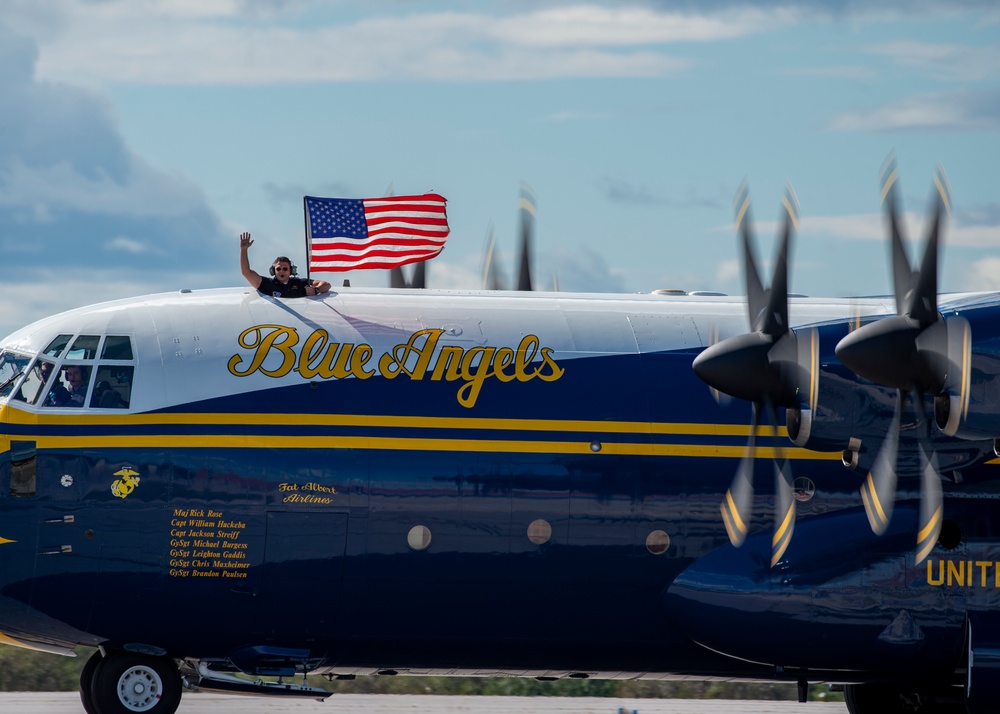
point(970, 416)
point(843, 410)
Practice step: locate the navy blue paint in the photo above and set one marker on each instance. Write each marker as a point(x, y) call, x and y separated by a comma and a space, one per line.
point(351, 592)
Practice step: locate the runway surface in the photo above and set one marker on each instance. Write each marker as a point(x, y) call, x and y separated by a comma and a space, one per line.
point(69, 703)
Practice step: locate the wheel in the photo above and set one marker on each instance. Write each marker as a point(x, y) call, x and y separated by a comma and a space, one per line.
point(87, 680)
point(124, 682)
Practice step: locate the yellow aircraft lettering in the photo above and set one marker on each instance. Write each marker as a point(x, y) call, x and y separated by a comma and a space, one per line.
point(339, 360)
point(417, 358)
point(963, 573)
point(393, 363)
point(503, 359)
point(255, 339)
point(450, 359)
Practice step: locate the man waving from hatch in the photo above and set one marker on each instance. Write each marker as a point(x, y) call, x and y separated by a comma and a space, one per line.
point(283, 282)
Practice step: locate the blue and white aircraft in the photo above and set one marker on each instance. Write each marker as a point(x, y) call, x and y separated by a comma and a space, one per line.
point(209, 483)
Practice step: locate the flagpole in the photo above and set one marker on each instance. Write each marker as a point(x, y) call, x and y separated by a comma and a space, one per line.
point(305, 220)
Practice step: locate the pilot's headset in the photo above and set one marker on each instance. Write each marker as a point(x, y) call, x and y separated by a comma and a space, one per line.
point(283, 259)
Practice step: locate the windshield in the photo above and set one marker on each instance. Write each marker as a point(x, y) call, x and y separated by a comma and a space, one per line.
point(12, 366)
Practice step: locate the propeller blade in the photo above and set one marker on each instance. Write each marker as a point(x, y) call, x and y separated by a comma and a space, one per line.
point(931, 504)
point(879, 490)
point(419, 275)
point(923, 301)
point(736, 507)
point(756, 296)
point(764, 367)
point(931, 499)
point(784, 496)
point(528, 206)
point(902, 274)
point(397, 279)
point(914, 351)
point(776, 320)
point(784, 502)
point(491, 274)
point(720, 397)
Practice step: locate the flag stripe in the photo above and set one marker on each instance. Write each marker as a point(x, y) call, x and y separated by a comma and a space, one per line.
point(402, 228)
point(379, 250)
point(386, 241)
point(344, 234)
point(384, 254)
point(384, 237)
point(376, 262)
point(383, 218)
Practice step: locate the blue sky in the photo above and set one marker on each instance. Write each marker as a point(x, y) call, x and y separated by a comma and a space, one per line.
point(138, 139)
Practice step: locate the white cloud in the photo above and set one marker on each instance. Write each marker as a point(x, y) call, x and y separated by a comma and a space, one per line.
point(71, 190)
point(131, 246)
point(871, 227)
point(116, 41)
point(728, 271)
point(984, 274)
point(950, 62)
point(964, 110)
point(145, 193)
point(97, 285)
point(593, 25)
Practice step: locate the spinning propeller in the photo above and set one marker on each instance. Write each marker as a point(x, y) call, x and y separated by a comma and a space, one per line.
point(419, 280)
point(493, 278)
point(771, 367)
point(916, 352)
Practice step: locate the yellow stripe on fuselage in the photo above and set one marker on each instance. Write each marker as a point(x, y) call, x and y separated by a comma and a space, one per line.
point(279, 441)
point(594, 432)
point(22, 418)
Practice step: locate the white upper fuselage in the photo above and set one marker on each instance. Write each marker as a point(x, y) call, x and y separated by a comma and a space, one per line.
point(191, 340)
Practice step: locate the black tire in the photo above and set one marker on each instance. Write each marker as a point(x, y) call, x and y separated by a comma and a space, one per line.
point(87, 681)
point(126, 683)
point(892, 699)
point(873, 699)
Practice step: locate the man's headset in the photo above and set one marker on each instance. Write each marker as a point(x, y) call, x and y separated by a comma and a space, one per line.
point(283, 259)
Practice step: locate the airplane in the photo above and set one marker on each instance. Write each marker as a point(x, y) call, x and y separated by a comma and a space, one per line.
point(530, 484)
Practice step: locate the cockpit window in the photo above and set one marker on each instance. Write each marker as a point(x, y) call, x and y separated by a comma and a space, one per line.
point(35, 380)
point(12, 366)
point(83, 379)
point(113, 388)
point(71, 390)
point(84, 347)
point(57, 345)
point(117, 347)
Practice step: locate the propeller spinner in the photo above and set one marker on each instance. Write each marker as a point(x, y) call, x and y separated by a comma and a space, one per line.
point(916, 352)
point(771, 367)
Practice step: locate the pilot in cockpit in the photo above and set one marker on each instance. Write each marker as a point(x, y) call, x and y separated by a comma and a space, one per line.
point(75, 390)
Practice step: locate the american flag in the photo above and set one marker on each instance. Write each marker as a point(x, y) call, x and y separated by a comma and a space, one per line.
point(350, 233)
